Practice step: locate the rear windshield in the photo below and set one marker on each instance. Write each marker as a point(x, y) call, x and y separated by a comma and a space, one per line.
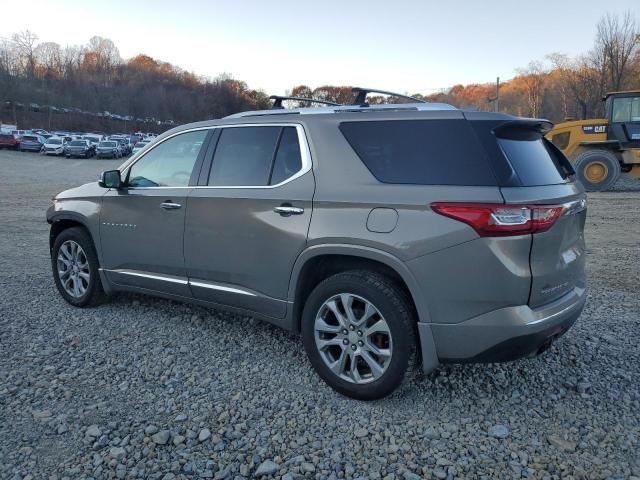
point(424, 152)
point(532, 161)
point(78, 143)
point(107, 144)
point(31, 139)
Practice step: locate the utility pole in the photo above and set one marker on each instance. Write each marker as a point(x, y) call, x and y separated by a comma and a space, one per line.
point(497, 93)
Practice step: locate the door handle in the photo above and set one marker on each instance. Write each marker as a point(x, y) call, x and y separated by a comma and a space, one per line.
point(169, 205)
point(287, 209)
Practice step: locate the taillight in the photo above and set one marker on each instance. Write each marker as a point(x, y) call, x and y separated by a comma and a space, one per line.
point(497, 219)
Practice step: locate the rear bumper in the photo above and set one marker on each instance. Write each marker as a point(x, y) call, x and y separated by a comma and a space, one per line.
point(508, 333)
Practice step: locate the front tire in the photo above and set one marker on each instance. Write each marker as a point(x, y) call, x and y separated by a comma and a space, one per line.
point(74, 263)
point(358, 329)
point(597, 170)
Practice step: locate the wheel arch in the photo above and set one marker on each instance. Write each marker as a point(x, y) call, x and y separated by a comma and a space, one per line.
point(320, 261)
point(64, 221)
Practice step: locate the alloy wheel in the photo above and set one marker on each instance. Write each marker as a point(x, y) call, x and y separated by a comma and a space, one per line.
point(353, 338)
point(73, 269)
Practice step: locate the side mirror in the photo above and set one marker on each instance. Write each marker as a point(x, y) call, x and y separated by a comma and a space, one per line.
point(110, 179)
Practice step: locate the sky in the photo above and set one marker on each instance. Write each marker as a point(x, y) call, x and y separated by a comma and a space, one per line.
point(406, 45)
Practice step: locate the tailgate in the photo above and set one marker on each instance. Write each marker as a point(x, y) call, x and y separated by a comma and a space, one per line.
point(543, 177)
point(557, 256)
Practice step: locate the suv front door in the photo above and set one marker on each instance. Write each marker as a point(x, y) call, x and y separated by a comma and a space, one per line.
point(142, 223)
point(248, 219)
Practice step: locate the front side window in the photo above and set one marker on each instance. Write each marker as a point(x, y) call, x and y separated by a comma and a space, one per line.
point(255, 156)
point(170, 163)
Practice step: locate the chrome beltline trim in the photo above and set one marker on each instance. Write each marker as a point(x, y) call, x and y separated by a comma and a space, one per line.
point(305, 154)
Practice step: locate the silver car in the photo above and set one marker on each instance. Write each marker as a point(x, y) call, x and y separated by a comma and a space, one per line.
point(388, 235)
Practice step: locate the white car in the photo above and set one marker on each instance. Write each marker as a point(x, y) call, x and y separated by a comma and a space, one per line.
point(139, 146)
point(54, 146)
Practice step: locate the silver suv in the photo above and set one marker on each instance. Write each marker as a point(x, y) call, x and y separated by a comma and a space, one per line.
point(388, 235)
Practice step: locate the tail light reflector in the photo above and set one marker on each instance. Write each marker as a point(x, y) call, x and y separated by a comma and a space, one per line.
point(498, 219)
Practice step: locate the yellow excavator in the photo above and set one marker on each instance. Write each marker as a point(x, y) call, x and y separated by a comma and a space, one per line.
point(601, 148)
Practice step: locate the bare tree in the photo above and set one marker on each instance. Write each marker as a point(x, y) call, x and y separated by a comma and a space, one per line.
point(24, 44)
point(616, 41)
point(49, 57)
point(534, 81)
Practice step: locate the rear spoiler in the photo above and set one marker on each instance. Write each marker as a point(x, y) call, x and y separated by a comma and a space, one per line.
point(523, 129)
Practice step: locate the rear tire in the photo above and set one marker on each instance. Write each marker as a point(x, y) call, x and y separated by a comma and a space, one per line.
point(597, 170)
point(380, 346)
point(77, 262)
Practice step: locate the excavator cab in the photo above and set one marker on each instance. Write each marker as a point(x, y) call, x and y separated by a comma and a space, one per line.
point(623, 110)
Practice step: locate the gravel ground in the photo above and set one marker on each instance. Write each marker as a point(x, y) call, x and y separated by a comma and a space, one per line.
point(142, 387)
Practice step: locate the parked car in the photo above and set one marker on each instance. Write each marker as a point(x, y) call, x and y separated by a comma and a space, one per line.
point(54, 146)
point(31, 143)
point(108, 149)
point(79, 148)
point(125, 146)
point(9, 140)
point(410, 231)
point(19, 133)
point(93, 139)
point(139, 146)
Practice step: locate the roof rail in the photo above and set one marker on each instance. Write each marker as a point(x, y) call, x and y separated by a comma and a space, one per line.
point(361, 95)
point(277, 101)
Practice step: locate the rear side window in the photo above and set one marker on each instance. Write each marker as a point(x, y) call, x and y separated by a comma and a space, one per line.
point(532, 161)
point(424, 152)
point(255, 156)
point(288, 160)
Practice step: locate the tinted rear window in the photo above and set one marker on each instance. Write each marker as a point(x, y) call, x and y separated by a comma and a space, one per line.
point(532, 161)
point(424, 152)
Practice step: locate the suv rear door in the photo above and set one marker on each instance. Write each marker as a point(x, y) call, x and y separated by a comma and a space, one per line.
point(537, 173)
point(248, 219)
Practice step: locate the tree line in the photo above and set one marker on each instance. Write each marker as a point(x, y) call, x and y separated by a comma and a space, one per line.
point(557, 87)
point(94, 78)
